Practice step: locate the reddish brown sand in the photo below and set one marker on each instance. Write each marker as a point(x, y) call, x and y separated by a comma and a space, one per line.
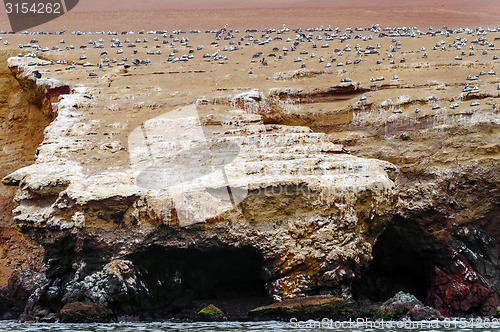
point(97, 15)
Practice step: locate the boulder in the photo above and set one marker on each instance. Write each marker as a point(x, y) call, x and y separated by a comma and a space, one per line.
point(420, 312)
point(400, 303)
point(301, 308)
point(211, 314)
point(117, 282)
point(78, 312)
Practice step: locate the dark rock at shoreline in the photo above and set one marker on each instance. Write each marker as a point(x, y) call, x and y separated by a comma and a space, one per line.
point(396, 307)
point(50, 318)
point(17, 299)
point(459, 290)
point(115, 285)
point(7, 306)
point(420, 312)
point(401, 303)
point(301, 308)
point(211, 314)
point(23, 283)
point(78, 312)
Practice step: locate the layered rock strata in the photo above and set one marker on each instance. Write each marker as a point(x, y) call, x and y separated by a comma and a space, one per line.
point(122, 219)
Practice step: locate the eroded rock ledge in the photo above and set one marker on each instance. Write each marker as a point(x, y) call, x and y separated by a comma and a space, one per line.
point(161, 210)
point(251, 211)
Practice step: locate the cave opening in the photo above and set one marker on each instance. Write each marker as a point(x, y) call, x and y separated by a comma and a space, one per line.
point(183, 281)
point(404, 257)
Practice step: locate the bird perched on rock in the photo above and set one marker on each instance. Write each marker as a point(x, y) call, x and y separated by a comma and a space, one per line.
point(135, 61)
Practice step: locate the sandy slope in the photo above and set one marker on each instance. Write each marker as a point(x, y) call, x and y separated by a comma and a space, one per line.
point(91, 15)
point(120, 5)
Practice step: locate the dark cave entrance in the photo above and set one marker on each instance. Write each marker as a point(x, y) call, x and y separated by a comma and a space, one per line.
point(404, 257)
point(183, 281)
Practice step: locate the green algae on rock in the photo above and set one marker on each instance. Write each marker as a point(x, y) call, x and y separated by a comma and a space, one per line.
point(211, 314)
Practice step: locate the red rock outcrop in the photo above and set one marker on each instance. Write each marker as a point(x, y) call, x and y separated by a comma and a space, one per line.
point(459, 290)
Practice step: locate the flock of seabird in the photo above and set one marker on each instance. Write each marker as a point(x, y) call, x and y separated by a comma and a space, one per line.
point(302, 42)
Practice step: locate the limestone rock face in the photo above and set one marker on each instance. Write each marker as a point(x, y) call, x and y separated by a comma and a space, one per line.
point(103, 192)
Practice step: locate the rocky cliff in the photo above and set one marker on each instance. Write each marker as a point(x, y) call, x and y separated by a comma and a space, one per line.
point(22, 124)
point(192, 207)
point(442, 242)
point(158, 197)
